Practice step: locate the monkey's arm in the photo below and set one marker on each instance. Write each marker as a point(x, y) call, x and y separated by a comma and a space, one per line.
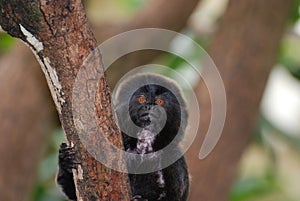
point(66, 163)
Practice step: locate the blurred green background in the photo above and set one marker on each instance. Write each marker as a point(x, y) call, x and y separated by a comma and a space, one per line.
point(270, 167)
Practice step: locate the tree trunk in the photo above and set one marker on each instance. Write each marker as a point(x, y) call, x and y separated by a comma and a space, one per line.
point(59, 35)
point(244, 50)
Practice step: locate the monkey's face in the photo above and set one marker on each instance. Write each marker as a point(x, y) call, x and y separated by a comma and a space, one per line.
point(158, 108)
point(153, 105)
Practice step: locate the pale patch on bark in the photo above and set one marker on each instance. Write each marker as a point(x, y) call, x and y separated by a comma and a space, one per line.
point(51, 76)
point(80, 172)
point(32, 40)
point(77, 175)
point(50, 83)
point(55, 81)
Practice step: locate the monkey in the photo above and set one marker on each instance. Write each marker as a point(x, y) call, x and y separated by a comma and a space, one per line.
point(152, 114)
point(154, 95)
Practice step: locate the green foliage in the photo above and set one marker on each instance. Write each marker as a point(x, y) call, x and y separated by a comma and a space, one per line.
point(289, 56)
point(6, 42)
point(253, 188)
point(131, 5)
point(295, 13)
point(290, 47)
point(46, 189)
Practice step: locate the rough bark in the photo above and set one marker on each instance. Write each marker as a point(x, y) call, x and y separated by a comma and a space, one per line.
point(53, 28)
point(244, 49)
point(27, 116)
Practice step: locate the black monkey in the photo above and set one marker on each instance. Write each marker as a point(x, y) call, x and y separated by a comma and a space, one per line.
point(157, 118)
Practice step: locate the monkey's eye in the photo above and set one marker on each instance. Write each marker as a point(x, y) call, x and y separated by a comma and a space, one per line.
point(142, 99)
point(159, 101)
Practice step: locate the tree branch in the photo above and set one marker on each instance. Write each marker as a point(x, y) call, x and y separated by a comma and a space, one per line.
point(53, 28)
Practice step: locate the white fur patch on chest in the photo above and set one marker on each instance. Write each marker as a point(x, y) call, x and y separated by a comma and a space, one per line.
point(145, 142)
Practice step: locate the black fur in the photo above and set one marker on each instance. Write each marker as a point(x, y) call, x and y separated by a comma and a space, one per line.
point(66, 162)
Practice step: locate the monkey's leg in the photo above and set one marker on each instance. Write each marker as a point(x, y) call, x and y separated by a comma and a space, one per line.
point(66, 162)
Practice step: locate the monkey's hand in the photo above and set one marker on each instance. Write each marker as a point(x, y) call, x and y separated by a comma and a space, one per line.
point(66, 162)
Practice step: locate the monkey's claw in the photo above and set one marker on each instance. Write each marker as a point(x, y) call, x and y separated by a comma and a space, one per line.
point(66, 158)
point(138, 198)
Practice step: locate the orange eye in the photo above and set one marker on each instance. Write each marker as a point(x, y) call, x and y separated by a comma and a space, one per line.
point(142, 99)
point(159, 101)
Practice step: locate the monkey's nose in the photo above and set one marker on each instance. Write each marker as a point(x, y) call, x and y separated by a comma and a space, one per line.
point(146, 107)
